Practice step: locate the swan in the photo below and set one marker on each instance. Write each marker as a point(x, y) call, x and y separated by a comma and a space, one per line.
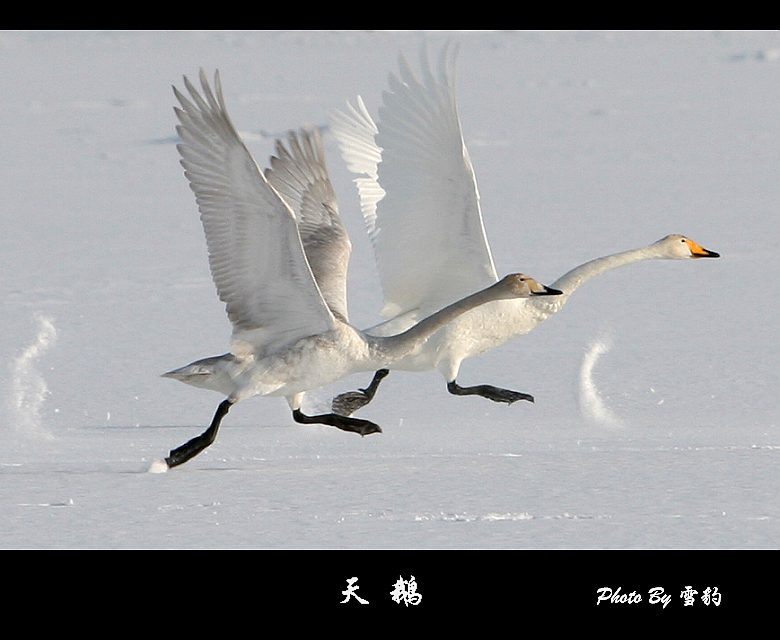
point(420, 203)
point(287, 336)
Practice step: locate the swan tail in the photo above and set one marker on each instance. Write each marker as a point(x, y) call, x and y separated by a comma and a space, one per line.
point(208, 373)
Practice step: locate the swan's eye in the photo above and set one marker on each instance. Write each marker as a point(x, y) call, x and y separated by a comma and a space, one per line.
point(682, 240)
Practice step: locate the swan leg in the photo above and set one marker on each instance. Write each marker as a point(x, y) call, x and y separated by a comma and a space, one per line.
point(193, 447)
point(355, 425)
point(345, 404)
point(496, 394)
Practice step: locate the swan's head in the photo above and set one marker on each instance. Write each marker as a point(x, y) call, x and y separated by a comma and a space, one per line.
point(519, 285)
point(679, 247)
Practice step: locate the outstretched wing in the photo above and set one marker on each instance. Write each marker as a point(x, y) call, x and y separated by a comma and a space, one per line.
point(418, 192)
point(255, 252)
point(299, 173)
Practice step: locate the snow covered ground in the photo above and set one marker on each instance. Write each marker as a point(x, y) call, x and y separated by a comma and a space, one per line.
point(656, 417)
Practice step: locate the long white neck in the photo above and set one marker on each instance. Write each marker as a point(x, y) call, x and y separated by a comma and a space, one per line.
point(397, 346)
point(571, 280)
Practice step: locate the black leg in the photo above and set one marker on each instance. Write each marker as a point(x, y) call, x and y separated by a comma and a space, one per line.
point(193, 447)
point(345, 404)
point(496, 394)
point(355, 425)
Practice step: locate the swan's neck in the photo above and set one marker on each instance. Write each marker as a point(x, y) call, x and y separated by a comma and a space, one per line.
point(570, 281)
point(399, 345)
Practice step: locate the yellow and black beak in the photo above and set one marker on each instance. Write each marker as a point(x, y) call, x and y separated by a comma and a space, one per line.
point(697, 251)
point(547, 291)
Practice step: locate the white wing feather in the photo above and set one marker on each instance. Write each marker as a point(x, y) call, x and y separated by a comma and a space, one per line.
point(355, 132)
point(300, 175)
point(418, 192)
point(255, 253)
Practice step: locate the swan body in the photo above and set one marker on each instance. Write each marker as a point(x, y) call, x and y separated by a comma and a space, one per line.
point(265, 245)
point(495, 323)
point(419, 198)
point(320, 359)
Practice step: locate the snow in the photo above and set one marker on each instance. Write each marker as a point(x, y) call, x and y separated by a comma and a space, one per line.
point(584, 144)
point(592, 405)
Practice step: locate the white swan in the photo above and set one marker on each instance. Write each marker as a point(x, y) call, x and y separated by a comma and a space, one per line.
point(420, 203)
point(286, 338)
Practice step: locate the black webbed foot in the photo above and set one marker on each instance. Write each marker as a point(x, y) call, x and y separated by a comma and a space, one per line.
point(496, 394)
point(345, 404)
point(193, 447)
point(354, 425)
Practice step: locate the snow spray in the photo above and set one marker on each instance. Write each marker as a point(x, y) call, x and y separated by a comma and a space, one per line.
point(28, 387)
point(592, 406)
